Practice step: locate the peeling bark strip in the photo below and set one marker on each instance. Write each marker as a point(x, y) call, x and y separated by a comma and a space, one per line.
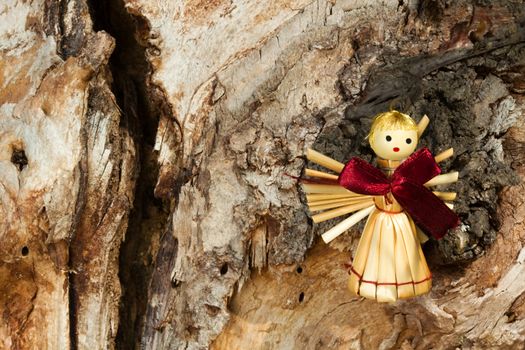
point(178, 142)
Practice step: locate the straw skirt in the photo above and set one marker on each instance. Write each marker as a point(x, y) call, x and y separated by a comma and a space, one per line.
point(389, 263)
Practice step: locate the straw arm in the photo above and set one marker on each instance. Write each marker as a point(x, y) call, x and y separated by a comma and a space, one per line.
point(422, 125)
point(443, 179)
point(346, 224)
point(444, 155)
point(327, 189)
point(446, 196)
point(321, 197)
point(330, 214)
point(323, 205)
point(320, 174)
point(323, 160)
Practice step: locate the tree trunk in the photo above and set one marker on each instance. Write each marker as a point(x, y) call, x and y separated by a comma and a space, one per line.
point(143, 157)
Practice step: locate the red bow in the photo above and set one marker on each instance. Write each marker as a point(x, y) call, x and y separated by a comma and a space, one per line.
point(406, 185)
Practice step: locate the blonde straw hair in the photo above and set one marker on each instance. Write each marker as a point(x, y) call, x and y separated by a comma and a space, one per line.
point(392, 120)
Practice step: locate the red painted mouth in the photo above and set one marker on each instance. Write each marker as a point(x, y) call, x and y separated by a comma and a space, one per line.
point(396, 149)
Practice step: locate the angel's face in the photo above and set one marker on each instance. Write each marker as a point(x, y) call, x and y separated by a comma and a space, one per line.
point(394, 144)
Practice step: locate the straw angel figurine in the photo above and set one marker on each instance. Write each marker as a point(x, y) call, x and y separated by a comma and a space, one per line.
point(389, 263)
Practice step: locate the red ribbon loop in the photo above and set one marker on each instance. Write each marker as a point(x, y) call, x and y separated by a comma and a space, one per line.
point(407, 187)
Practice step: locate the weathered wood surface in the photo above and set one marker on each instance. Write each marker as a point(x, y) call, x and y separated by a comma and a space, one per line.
point(202, 108)
point(66, 175)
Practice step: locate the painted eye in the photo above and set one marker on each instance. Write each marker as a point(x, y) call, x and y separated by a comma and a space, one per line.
point(409, 141)
point(388, 138)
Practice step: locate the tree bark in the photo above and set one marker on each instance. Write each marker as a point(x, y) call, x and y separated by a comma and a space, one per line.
point(143, 153)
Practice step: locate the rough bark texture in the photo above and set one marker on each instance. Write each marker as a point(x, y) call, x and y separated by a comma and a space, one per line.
point(169, 126)
point(67, 179)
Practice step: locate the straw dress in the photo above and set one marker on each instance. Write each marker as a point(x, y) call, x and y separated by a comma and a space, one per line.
point(389, 263)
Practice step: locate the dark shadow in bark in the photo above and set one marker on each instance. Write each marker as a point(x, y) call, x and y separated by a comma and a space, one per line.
point(141, 110)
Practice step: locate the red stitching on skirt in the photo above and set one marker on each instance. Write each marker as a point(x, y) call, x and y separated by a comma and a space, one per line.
point(387, 283)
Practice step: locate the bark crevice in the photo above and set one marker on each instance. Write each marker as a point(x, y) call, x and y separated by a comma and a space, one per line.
point(143, 105)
